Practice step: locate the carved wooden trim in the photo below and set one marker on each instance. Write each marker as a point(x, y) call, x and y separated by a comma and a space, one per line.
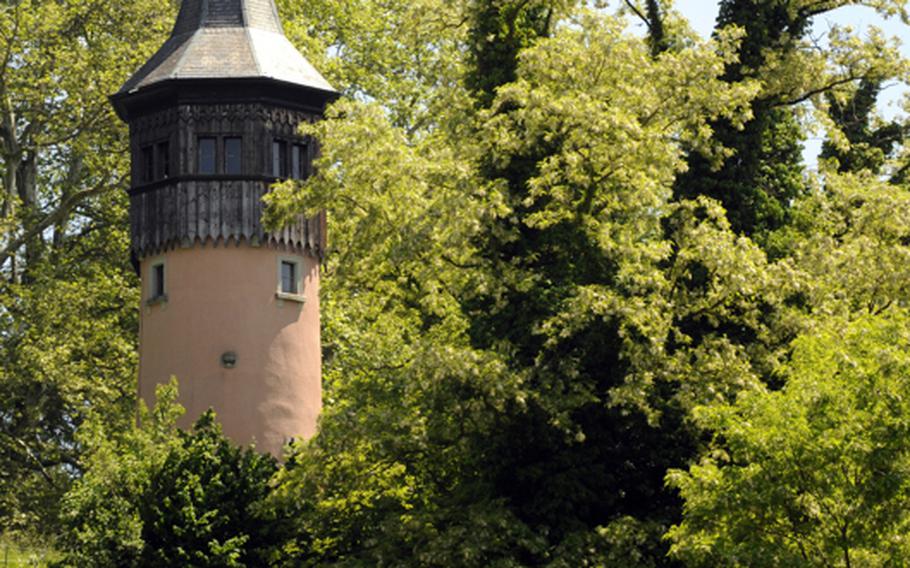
point(188, 213)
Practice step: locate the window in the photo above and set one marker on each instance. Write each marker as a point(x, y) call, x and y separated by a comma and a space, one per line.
point(154, 162)
point(157, 290)
point(290, 279)
point(295, 165)
point(147, 164)
point(233, 150)
point(158, 281)
point(299, 161)
point(279, 159)
point(164, 160)
point(206, 162)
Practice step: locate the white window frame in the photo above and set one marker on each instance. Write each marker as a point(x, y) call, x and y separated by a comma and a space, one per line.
point(151, 297)
point(279, 292)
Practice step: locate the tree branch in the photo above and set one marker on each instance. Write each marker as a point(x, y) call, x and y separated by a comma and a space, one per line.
point(638, 13)
point(809, 94)
point(62, 210)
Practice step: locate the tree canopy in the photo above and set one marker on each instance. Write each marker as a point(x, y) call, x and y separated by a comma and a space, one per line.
point(584, 303)
point(68, 321)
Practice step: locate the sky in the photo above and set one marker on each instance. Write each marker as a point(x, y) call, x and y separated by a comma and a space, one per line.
point(702, 14)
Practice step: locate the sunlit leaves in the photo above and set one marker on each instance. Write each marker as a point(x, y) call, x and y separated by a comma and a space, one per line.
point(816, 474)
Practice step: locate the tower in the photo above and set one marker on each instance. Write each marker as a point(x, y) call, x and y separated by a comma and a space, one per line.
point(228, 308)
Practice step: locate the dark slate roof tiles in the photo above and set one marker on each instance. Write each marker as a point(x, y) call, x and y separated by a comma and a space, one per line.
point(227, 39)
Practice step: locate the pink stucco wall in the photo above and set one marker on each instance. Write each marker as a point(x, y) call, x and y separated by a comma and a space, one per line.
point(220, 299)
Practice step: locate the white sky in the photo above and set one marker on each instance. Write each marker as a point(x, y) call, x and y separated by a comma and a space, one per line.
point(702, 14)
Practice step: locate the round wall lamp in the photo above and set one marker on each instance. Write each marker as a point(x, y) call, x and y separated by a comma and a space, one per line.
point(229, 360)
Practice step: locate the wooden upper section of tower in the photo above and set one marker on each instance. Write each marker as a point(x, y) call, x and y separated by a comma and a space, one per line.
point(214, 119)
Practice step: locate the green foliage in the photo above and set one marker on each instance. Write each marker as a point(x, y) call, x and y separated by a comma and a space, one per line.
point(67, 294)
point(100, 514)
point(499, 31)
point(478, 336)
point(155, 496)
point(68, 348)
point(17, 553)
point(404, 53)
point(817, 473)
point(60, 143)
point(198, 508)
point(849, 245)
point(523, 310)
point(870, 144)
point(560, 254)
point(763, 173)
point(583, 156)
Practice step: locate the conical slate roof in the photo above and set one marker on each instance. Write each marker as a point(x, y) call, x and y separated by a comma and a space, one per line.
point(227, 39)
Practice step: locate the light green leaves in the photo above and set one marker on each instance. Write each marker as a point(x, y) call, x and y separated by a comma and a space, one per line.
point(814, 475)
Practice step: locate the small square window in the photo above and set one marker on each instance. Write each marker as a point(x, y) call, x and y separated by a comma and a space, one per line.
point(233, 150)
point(290, 279)
point(206, 162)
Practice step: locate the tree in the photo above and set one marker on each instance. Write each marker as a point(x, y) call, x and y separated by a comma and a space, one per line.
point(579, 243)
point(817, 473)
point(100, 513)
point(156, 496)
point(59, 140)
point(763, 173)
point(66, 348)
point(67, 291)
point(490, 326)
point(868, 145)
point(199, 508)
point(406, 54)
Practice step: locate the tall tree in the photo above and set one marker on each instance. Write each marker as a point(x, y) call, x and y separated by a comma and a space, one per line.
point(67, 321)
point(763, 173)
point(478, 336)
point(513, 356)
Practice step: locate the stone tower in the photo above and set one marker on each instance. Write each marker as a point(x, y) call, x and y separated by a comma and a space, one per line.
point(228, 308)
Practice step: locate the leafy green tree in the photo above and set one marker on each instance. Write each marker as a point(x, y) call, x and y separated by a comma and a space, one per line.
point(763, 173)
point(199, 506)
point(479, 337)
point(868, 145)
point(815, 474)
point(405, 53)
point(60, 144)
point(67, 347)
point(67, 293)
point(847, 247)
point(579, 240)
point(100, 513)
point(156, 496)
